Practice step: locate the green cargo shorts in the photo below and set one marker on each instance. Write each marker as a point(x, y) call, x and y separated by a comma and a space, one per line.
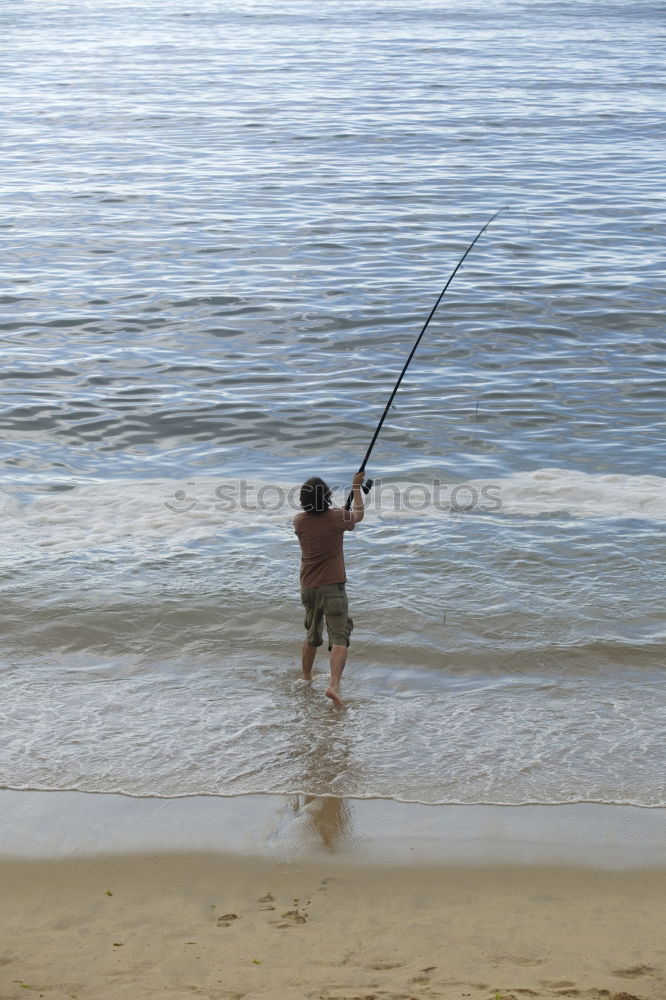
point(329, 602)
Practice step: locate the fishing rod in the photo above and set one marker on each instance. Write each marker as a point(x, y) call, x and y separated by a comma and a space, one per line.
point(368, 485)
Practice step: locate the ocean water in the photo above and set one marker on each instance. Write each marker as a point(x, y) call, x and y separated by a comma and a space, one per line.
point(226, 224)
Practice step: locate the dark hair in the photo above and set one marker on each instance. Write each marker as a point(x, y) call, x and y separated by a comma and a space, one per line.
point(315, 496)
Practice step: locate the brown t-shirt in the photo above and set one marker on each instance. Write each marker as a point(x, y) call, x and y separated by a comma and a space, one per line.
point(321, 537)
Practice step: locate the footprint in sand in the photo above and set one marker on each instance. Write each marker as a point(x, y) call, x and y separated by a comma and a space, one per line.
point(423, 977)
point(525, 962)
point(296, 915)
point(326, 883)
point(268, 898)
point(633, 971)
point(226, 919)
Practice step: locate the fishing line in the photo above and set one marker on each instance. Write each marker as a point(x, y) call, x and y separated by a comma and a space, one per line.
point(368, 486)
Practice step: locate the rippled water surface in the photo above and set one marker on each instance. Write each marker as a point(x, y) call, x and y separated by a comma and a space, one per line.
point(227, 224)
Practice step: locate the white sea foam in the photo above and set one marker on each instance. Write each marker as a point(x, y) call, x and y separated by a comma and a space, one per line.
point(579, 495)
point(139, 513)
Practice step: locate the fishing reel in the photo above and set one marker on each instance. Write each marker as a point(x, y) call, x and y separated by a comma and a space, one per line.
point(367, 485)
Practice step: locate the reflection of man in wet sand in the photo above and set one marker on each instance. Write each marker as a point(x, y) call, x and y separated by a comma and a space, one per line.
point(328, 817)
point(320, 529)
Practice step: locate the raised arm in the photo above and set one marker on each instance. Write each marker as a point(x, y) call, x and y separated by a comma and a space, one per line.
point(357, 509)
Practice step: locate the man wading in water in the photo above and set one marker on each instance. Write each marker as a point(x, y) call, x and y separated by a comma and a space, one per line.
point(320, 529)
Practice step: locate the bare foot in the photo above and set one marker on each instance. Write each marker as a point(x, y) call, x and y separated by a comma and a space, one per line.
point(335, 697)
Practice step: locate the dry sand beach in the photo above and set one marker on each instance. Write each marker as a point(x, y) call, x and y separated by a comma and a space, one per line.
point(300, 923)
point(223, 927)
